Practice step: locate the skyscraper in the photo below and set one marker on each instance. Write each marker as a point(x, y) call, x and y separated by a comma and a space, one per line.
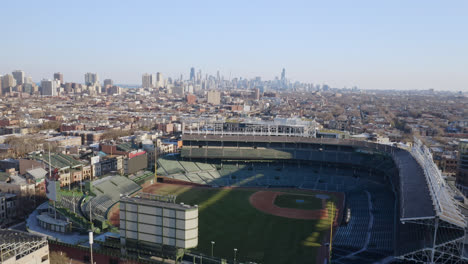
point(159, 80)
point(283, 75)
point(108, 82)
point(8, 81)
point(19, 76)
point(199, 76)
point(192, 74)
point(148, 80)
point(48, 87)
point(91, 78)
point(58, 76)
point(28, 80)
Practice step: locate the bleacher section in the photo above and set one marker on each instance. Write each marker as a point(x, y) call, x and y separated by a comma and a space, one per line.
point(70, 200)
point(107, 192)
point(369, 236)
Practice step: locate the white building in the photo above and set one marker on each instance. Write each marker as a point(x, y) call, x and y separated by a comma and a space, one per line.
point(214, 97)
point(8, 81)
point(159, 80)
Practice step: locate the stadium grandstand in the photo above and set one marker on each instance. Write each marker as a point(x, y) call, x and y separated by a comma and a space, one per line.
point(106, 192)
point(401, 208)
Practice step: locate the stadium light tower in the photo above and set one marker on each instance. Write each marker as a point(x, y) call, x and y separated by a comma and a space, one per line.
point(212, 245)
point(235, 254)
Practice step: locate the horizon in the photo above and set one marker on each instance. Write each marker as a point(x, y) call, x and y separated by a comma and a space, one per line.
point(418, 45)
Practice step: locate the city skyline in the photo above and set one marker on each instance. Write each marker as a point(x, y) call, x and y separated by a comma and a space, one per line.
point(398, 45)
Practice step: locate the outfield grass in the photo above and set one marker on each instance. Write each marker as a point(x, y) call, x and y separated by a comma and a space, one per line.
point(309, 202)
point(226, 217)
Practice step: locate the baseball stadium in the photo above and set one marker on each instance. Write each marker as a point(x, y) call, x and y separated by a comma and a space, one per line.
point(284, 199)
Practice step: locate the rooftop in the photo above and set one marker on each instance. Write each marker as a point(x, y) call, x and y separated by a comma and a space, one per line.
point(12, 236)
point(156, 203)
point(58, 160)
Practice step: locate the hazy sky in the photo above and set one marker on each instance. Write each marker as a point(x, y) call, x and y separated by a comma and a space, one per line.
point(393, 44)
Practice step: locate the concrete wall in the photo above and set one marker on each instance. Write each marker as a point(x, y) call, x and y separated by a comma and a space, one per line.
point(168, 226)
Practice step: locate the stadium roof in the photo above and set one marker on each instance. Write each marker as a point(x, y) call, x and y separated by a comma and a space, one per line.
point(415, 200)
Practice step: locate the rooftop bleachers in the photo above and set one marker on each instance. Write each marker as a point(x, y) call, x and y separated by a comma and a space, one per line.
point(107, 192)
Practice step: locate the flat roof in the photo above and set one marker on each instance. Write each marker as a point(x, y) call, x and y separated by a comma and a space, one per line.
point(415, 198)
point(156, 203)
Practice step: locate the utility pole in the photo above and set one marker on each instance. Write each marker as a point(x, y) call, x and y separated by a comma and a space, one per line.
point(91, 246)
point(212, 245)
point(331, 230)
point(235, 255)
point(50, 176)
point(91, 233)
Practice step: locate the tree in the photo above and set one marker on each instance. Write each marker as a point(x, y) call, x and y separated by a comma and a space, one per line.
point(55, 125)
point(115, 134)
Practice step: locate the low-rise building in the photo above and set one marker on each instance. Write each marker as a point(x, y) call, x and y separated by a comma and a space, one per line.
point(8, 208)
point(18, 247)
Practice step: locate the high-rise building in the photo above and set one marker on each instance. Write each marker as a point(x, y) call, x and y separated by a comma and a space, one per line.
point(91, 78)
point(214, 97)
point(148, 80)
point(283, 75)
point(159, 80)
point(48, 87)
point(8, 81)
point(28, 80)
point(114, 90)
point(108, 82)
point(462, 173)
point(257, 93)
point(192, 74)
point(199, 76)
point(58, 76)
point(190, 99)
point(19, 76)
point(178, 90)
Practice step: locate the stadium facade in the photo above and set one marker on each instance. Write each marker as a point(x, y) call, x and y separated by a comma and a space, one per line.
point(402, 209)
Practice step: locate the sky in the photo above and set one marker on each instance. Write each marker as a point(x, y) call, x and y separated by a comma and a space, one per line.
point(417, 44)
